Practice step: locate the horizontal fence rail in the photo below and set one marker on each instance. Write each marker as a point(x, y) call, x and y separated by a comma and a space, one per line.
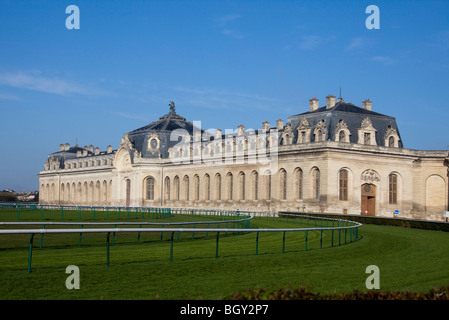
point(321, 224)
point(156, 212)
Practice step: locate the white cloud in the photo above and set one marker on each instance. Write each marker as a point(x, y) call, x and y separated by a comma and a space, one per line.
point(356, 44)
point(222, 99)
point(36, 82)
point(131, 116)
point(232, 34)
point(310, 42)
point(383, 59)
point(7, 96)
point(224, 22)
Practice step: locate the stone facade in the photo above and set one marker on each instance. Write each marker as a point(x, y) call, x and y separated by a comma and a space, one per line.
point(339, 158)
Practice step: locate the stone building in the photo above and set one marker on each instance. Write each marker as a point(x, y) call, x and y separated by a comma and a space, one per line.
point(337, 158)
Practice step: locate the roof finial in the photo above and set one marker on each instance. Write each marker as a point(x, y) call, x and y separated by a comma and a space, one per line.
point(172, 107)
point(340, 98)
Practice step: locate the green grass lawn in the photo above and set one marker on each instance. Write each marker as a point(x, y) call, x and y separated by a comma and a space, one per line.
point(409, 259)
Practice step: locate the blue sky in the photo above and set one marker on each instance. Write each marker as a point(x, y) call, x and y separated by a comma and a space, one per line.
point(224, 63)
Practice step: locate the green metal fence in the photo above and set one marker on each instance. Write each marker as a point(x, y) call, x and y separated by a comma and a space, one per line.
point(342, 231)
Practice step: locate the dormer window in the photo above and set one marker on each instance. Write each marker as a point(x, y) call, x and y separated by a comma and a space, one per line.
point(318, 136)
point(391, 141)
point(366, 138)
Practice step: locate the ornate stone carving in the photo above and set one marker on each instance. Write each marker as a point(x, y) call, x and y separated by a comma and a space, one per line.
point(304, 123)
point(341, 125)
point(367, 124)
point(370, 176)
point(154, 143)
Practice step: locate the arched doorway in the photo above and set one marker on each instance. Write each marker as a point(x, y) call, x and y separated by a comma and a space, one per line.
point(128, 192)
point(368, 200)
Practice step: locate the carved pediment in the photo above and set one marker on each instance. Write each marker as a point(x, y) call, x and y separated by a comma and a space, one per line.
point(390, 132)
point(304, 124)
point(321, 126)
point(370, 176)
point(341, 125)
point(367, 124)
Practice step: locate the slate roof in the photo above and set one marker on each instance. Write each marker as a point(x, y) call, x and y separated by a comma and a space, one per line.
point(163, 128)
point(168, 122)
point(352, 115)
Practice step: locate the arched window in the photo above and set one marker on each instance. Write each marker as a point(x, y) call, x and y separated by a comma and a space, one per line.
point(62, 192)
point(150, 188)
point(283, 181)
point(342, 136)
point(104, 189)
point(391, 141)
point(242, 185)
point(167, 188)
point(299, 183)
point(186, 188)
point(319, 136)
point(255, 181)
point(67, 193)
point(196, 183)
point(176, 185)
point(343, 185)
point(268, 184)
point(316, 183)
point(218, 186)
point(230, 183)
point(84, 193)
point(207, 186)
point(393, 189)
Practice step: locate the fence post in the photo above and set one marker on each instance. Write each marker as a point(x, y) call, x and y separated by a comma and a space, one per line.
point(30, 253)
point(257, 242)
point(321, 239)
point(138, 234)
point(332, 241)
point(42, 237)
point(107, 249)
point(171, 247)
point(216, 248)
point(306, 240)
point(81, 234)
point(283, 242)
point(113, 235)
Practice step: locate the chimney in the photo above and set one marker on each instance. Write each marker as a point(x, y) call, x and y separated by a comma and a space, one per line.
point(67, 146)
point(266, 126)
point(280, 124)
point(109, 149)
point(97, 151)
point(61, 147)
point(241, 129)
point(91, 148)
point(330, 101)
point(218, 134)
point(196, 135)
point(367, 104)
point(313, 103)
